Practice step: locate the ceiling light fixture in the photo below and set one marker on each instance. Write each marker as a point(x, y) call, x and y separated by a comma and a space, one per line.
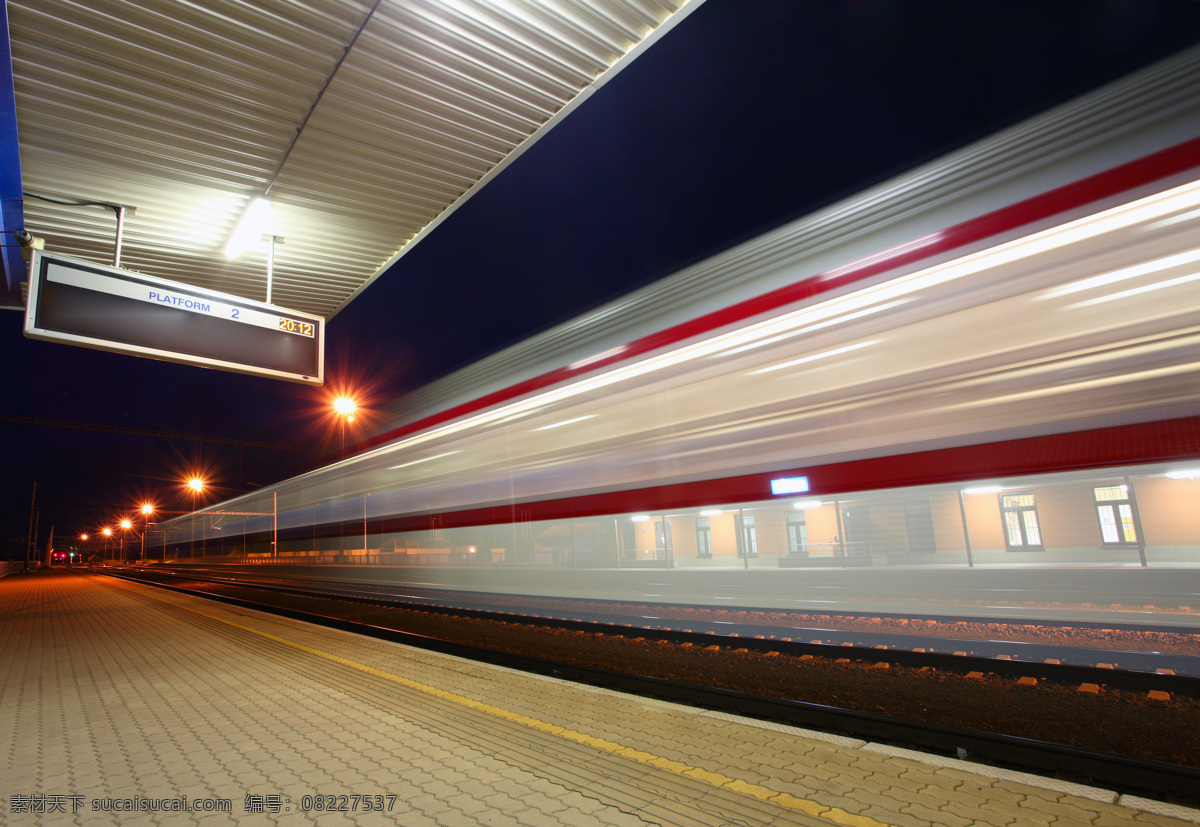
point(250, 228)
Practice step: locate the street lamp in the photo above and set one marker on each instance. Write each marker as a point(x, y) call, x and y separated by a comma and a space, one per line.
point(197, 485)
point(107, 532)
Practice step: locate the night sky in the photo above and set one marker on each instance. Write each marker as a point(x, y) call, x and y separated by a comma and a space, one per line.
point(747, 115)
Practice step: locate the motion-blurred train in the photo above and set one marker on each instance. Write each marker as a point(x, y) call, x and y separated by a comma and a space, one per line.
point(991, 361)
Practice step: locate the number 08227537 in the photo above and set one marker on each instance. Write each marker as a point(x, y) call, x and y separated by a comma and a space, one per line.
point(347, 803)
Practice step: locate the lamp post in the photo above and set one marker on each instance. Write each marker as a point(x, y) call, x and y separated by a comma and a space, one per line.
point(147, 510)
point(107, 532)
point(196, 485)
point(126, 524)
point(345, 407)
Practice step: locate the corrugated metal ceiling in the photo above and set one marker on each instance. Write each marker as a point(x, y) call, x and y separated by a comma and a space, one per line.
point(186, 111)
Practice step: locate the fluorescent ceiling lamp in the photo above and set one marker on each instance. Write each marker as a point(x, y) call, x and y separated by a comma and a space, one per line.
point(250, 228)
point(1184, 474)
point(711, 512)
point(984, 489)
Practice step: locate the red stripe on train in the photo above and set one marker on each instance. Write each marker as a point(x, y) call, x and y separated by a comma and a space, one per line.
point(1168, 440)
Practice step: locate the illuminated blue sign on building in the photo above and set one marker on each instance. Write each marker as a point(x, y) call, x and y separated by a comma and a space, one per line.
point(789, 485)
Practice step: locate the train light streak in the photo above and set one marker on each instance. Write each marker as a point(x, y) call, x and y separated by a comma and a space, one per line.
point(565, 422)
point(1121, 275)
point(842, 319)
point(1107, 221)
point(825, 354)
point(423, 459)
point(1124, 294)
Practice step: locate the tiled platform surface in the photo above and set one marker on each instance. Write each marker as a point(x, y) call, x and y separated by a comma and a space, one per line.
point(121, 695)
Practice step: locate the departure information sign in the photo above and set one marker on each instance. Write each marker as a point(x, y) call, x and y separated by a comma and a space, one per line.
point(107, 308)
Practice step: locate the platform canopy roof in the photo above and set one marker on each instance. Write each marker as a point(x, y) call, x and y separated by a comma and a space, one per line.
point(365, 122)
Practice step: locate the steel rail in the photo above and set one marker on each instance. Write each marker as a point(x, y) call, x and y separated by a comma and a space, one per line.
point(975, 660)
point(848, 613)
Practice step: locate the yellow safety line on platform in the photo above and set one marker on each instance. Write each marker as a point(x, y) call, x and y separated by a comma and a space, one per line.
point(716, 779)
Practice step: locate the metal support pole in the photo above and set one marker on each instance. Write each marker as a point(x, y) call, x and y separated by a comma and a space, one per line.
point(192, 550)
point(962, 510)
point(29, 531)
point(120, 234)
point(341, 502)
point(842, 546)
point(742, 545)
point(270, 266)
point(1137, 521)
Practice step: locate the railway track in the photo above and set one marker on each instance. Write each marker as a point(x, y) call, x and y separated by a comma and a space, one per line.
point(655, 619)
point(1175, 781)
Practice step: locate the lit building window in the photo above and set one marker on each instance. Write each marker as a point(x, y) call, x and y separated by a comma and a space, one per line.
point(703, 537)
point(797, 533)
point(747, 542)
point(1021, 530)
point(1114, 507)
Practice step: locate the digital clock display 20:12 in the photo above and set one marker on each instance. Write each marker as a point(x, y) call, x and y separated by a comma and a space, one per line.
point(301, 328)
